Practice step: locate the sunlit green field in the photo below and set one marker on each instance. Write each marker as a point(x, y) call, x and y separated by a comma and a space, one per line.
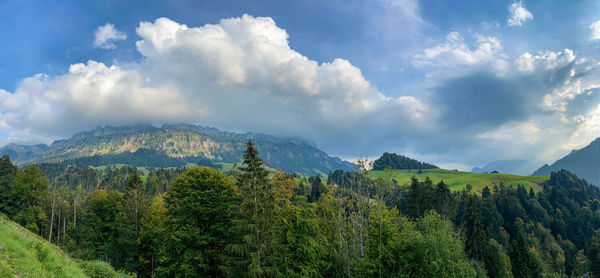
point(457, 180)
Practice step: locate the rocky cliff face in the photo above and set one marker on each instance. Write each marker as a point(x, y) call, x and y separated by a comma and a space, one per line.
point(181, 141)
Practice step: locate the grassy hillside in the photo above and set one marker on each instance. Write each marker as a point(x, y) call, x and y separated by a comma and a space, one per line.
point(457, 180)
point(24, 254)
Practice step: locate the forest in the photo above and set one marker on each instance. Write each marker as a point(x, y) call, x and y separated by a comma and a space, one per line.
point(252, 222)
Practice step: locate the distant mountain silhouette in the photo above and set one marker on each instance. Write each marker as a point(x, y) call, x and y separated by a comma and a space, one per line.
point(585, 163)
point(508, 166)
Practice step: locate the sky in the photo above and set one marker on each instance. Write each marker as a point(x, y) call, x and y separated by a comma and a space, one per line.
point(456, 83)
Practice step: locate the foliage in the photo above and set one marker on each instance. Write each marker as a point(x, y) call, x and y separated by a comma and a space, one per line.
point(131, 209)
point(438, 250)
point(258, 223)
point(397, 162)
point(152, 236)
point(254, 223)
point(100, 269)
point(198, 207)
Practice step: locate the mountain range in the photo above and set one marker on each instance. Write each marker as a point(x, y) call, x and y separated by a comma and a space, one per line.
point(182, 143)
point(584, 162)
point(508, 166)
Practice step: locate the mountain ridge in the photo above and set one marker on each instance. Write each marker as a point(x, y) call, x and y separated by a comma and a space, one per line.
point(584, 162)
point(181, 141)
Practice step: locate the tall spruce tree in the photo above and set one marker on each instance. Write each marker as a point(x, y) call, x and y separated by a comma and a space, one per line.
point(476, 235)
point(8, 174)
point(132, 207)
point(254, 224)
point(317, 189)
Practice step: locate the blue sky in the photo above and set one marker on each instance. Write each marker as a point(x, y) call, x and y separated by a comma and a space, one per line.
point(458, 83)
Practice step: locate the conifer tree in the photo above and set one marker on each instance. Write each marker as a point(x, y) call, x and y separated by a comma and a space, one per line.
point(254, 224)
point(132, 207)
point(8, 174)
point(317, 189)
point(476, 235)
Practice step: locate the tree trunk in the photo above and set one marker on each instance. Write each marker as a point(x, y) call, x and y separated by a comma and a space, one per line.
point(64, 227)
point(75, 212)
point(51, 217)
point(58, 229)
point(360, 233)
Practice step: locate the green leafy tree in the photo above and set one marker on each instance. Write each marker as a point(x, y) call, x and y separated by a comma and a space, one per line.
point(198, 208)
point(97, 225)
point(301, 245)
point(497, 263)
point(437, 250)
point(152, 236)
point(525, 262)
point(386, 254)
point(30, 190)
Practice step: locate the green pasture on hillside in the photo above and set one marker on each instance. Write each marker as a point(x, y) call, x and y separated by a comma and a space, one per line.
point(458, 180)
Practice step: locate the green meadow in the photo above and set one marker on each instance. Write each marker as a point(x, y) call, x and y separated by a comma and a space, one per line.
point(24, 254)
point(458, 180)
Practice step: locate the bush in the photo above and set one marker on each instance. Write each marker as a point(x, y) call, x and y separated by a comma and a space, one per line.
point(100, 269)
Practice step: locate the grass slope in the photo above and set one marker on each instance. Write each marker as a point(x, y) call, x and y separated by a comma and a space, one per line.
point(457, 180)
point(25, 254)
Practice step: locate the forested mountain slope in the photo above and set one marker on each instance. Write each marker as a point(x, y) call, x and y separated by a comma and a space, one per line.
point(180, 144)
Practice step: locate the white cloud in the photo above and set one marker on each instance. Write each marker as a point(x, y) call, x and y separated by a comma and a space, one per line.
point(595, 29)
point(455, 52)
point(518, 14)
point(239, 74)
point(242, 74)
point(106, 35)
point(546, 60)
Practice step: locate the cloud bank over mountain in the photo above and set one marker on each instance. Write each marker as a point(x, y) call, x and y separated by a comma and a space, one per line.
point(242, 74)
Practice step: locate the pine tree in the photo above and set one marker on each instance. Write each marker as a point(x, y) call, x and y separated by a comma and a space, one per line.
point(8, 174)
point(525, 263)
point(443, 198)
point(317, 189)
point(254, 224)
point(132, 207)
point(476, 235)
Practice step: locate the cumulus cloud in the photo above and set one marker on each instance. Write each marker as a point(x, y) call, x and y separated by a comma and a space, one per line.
point(455, 52)
point(106, 35)
point(549, 60)
point(595, 29)
point(542, 102)
point(518, 14)
point(239, 74)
